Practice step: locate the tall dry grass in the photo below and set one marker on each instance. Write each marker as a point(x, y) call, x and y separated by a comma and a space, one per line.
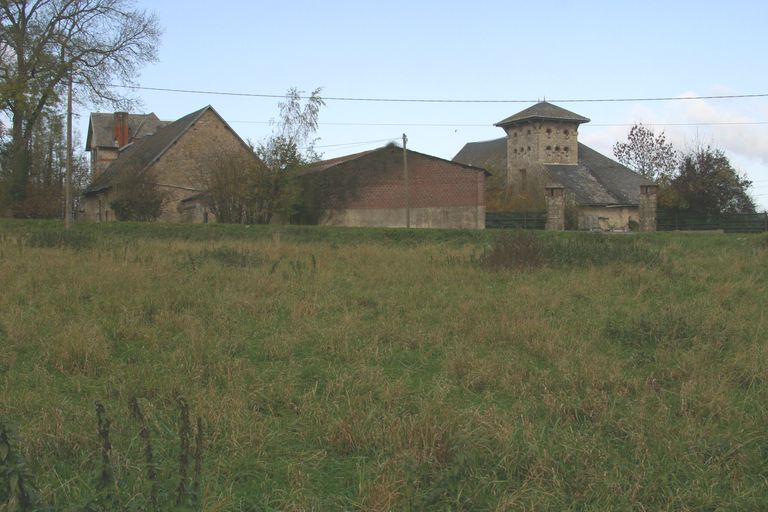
point(389, 372)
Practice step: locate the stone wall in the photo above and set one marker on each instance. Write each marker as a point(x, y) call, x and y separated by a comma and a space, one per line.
point(543, 142)
point(555, 197)
point(179, 171)
point(602, 218)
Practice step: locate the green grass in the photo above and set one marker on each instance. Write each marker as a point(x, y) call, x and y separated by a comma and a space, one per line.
point(387, 369)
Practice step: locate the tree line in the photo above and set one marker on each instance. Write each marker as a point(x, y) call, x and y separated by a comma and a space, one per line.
point(699, 180)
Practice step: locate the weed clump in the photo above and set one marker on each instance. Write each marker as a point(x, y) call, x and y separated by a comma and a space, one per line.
point(59, 238)
point(523, 249)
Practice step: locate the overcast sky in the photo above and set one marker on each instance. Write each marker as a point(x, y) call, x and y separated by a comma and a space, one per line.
point(472, 50)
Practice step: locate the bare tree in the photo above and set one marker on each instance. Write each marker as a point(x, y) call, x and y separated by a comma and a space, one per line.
point(100, 44)
point(647, 153)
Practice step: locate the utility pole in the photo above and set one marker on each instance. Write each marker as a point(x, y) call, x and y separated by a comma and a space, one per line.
point(407, 184)
point(68, 175)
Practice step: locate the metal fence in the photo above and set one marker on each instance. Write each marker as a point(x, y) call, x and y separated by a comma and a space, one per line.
point(670, 220)
point(515, 220)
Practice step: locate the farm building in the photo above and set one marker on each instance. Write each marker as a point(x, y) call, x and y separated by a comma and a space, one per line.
point(541, 154)
point(370, 189)
point(171, 154)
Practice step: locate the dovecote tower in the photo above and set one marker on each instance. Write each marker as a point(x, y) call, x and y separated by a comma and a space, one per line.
point(543, 134)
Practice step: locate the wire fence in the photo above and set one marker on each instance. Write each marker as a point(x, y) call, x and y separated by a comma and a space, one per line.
point(666, 220)
point(515, 220)
point(670, 220)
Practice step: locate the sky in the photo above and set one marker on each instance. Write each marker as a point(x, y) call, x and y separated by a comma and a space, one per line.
point(512, 52)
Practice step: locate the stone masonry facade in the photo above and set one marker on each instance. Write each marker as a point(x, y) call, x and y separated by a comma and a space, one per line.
point(533, 144)
point(648, 207)
point(555, 197)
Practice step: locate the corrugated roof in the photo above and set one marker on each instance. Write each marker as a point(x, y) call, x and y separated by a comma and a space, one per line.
point(543, 110)
point(595, 180)
point(101, 128)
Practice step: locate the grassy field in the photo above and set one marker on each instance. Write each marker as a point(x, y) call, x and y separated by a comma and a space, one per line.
point(381, 369)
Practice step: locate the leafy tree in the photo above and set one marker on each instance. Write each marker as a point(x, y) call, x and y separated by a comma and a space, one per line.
point(261, 189)
point(45, 178)
point(647, 153)
point(45, 42)
point(707, 183)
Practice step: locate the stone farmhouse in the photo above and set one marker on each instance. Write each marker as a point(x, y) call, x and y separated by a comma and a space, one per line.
point(541, 153)
point(173, 154)
point(370, 189)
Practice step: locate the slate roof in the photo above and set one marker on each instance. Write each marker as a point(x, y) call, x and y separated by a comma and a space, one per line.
point(146, 151)
point(545, 111)
point(596, 180)
point(101, 131)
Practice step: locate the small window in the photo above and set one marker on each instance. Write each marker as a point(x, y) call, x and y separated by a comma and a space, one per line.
point(514, 134)
point(565, 132)
point(566, 149)
point(514, 151)
point(549, 148)
point(529, 131)
point(523, 179)
point(557, 148)
point(549, 131)
point(529, 148)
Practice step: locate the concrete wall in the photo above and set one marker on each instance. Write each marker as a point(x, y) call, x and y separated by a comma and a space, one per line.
point(466, 217)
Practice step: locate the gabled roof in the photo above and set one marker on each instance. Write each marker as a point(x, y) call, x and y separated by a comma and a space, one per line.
point(334, 162)
point(544, 111)
point(596, 179)
point(145, 152)
point(101, 131)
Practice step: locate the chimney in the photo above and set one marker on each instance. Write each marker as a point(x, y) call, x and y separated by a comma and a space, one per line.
point(121, 129)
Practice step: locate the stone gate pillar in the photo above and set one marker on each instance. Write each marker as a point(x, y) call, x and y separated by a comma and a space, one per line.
point(555, 197)
point(648, 207)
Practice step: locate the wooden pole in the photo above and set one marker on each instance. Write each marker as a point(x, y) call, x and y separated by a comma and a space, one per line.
point(68, 175)
point(407, 184)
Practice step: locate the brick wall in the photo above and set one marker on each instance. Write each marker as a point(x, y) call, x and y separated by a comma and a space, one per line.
point(442, 193)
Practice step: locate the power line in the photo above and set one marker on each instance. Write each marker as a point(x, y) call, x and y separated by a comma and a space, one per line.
point(441, 100)
point(486, 125)
point(360, 143)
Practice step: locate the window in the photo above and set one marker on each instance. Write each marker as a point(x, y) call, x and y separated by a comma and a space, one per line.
point(523, 179)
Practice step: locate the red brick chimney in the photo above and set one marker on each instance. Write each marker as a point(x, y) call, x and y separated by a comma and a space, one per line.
point(121, 129)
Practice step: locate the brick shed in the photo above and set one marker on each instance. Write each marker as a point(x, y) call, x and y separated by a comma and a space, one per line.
point(369, 189)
